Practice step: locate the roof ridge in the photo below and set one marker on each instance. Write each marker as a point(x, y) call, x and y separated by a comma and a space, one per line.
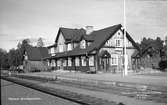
point(71, 28)
point(109, 27)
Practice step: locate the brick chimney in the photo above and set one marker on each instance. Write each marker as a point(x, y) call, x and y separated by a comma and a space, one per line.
point(89, 29)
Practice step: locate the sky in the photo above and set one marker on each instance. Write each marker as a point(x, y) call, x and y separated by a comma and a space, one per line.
point(20, 19)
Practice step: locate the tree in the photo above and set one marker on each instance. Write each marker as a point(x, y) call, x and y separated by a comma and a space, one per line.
point(164, 50)
point(3, 59)
point(15, 56)
point(159, 43)
point(145, 42)
point(12, 57)
point(40, 42)
point(24, 44)
point(19, 45)
point(165, 40)
point(155, 44)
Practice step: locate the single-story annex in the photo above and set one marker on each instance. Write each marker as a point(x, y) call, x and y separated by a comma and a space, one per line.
point(33, 58)
point(87, 49)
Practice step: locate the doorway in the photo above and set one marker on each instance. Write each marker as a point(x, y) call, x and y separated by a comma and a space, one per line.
point(105, 60)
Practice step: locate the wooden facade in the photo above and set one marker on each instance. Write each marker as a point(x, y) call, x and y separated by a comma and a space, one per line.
point(101, 50)
point(33, 59)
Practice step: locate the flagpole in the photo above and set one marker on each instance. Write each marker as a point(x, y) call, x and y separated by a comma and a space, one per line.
point(125, 73)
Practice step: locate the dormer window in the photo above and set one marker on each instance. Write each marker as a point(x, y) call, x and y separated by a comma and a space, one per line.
point(89, 43)
point(83, 44)
point(69, 46)
point(52, 50)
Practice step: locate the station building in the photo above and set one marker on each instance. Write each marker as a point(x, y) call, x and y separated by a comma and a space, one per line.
point(87, 49)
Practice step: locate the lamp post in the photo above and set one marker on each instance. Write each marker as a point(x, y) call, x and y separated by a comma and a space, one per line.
point(125, 73)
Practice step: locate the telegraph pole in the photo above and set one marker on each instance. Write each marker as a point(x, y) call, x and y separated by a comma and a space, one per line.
point(125, 73)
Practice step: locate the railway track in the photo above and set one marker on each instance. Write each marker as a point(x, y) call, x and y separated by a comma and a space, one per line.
point(149, 93)
point(67, 95)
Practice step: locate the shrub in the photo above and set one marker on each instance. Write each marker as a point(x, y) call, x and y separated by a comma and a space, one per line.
point(163, 65)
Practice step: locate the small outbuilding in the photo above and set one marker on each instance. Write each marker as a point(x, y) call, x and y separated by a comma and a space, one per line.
point(33, 59)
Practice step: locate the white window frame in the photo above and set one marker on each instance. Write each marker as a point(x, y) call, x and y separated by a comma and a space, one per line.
point(114, 60)
point(48, 62)
point(58, 62)
point(69, 61)
point(52, 51)
point(61, 47)
point(69, 46)
point(53, 64)
point(91, 60)
point(83, 44)
point(83, 60)
point(64, 62)
point(89, 43)
point(77, 63)
point(116, 42)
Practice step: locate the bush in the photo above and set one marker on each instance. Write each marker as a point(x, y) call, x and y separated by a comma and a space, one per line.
point(163, 65)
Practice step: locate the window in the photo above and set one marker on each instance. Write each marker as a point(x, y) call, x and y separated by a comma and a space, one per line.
point(69, 62)
point(52, 51)
point(75, 45)
point(91, 61)
point(48, 62)
point(76, 61)
point(114, 59)
point(83, 58)
point(53, 64)
point(64, 62)
point(69, 46)
point(83, 44)
point(118, 42)
point(89, 43)
point(61, 47)
point(119, 33)
point(58, 63)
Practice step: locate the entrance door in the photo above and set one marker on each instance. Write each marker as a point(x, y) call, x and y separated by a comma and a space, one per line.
point(105, 64)
point(105, 56)
point(61, 65)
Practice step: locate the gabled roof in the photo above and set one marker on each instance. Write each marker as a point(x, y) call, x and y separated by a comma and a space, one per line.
point(133, 42)
point(98, 39)
point(101, 36)
point(70, 34)
point(36, 53)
